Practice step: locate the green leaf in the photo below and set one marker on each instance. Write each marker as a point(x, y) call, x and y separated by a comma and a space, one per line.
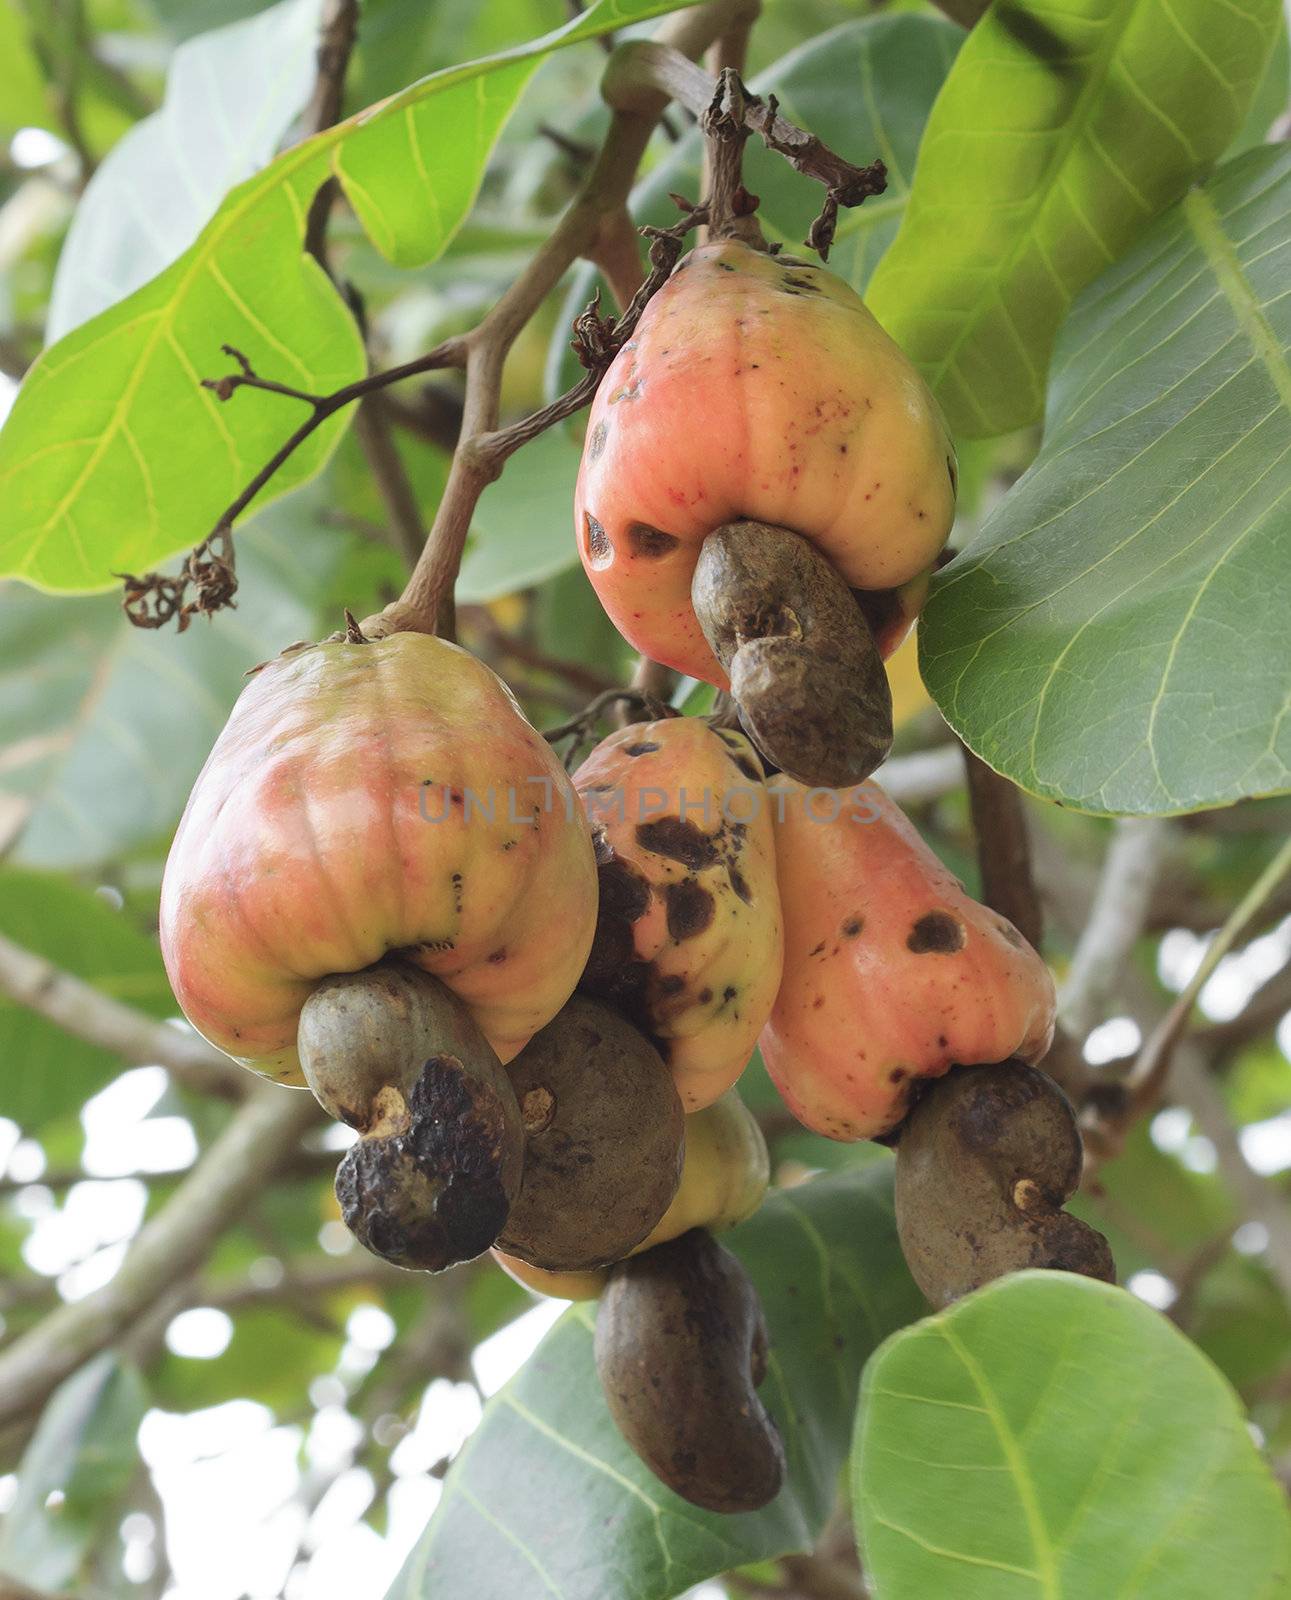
point(103, 727)
point(547, 1499)
point(74, 1474)
point(1058, 136)
point(49, 1073)
point(230, 98)
point(1054, 1437)
point(22, 87)
point(1115, 639)
point(114, 457)
point(866, 89)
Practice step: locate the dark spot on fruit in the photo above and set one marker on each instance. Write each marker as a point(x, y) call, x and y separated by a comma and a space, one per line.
point(679, 840)
point(818, 1002)
point(937, 933)
point(672, 984)
point(820, 947)
point(726, 266)
point(897, 1075)
point(1009, 932)
point(495, 956)
point(852, 927)
point(596, 440)
point(740, 884)
point(704, 996)
point(652, 543)
point(690, 908)
point(644, 748)
point(600, 551)
point(728, 994)
point(457, 891)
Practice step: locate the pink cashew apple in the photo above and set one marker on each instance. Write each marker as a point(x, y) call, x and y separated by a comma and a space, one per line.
point(688, 938)
point(892, 973)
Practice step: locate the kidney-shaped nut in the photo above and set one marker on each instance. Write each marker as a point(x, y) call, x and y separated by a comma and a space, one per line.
point(892, 974)
point(603, 1141)
point(688, 935)
point(805, 672)
point(759, 388)
point(369, 799)
point(391, 1053)
point(681, 1349)
point(724, 1178)
point(984, 1163)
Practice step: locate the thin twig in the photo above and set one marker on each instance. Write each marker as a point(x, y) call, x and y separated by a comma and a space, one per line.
point(87, 1013)
point(246, 1156)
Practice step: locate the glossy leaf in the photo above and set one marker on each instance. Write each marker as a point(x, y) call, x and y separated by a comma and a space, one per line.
point(73, 1474)
point(1058, 136)
point(1053, 1437)
point(231, 95)
point(51, 1073)
point(547, 1499)
point(1116, 637)
point(113, 416)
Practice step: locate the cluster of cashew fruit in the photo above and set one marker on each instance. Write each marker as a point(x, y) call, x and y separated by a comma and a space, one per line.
point(531, 998)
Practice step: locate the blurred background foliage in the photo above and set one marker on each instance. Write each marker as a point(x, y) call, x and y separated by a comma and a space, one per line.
point(307, 1392)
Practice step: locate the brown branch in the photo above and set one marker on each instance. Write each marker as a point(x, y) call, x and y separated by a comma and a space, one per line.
point(372, 430)
point(87, 1013)
point(246, 1156)
point(1003, 848)
point(650, 62)
point(637, 86)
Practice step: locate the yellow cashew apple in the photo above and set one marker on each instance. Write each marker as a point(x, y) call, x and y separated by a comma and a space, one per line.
point(892, 973)
point(724, 1177)
point(688, 937)
point(370, 799)
point(759, 389)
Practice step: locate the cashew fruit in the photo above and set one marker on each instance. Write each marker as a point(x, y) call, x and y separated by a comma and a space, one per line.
point(367, 800)
point(603, 1141)
point(984, 1163)
point(892, 973)
point(391, 1052)
point(688, 935)
point(725, 1173)
point(757, 388)
point(681, 1348)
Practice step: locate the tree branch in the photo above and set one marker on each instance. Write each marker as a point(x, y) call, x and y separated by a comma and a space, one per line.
point(1116, 920)
point(86, 1013)
point(262, 1134)
point(1003, 848)
point(636, 86)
